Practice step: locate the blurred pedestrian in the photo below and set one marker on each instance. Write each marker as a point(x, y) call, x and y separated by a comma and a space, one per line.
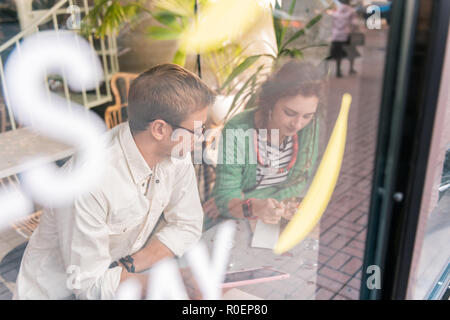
point(343, 23)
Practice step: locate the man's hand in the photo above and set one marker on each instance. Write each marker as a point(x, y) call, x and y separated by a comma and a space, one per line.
point(142, 279)
point(210, 209)
point(268, 210)
point(190, 284)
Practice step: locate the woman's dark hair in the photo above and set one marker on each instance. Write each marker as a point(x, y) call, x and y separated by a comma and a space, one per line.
point(292, 79)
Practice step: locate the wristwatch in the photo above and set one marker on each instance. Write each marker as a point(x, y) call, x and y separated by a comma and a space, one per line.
point(247, 209)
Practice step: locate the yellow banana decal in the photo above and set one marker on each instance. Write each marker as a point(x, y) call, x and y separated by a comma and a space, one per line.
point(319, 193)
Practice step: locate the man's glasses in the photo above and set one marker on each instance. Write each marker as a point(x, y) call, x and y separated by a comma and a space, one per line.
point(203, 127)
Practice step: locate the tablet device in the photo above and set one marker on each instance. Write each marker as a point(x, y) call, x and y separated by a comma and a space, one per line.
point(251, 276)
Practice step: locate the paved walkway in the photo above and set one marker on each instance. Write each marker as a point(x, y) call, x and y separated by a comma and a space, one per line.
point(343, 226)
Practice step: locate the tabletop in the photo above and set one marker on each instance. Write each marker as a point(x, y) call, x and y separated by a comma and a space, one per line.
point(300, 262)
point(17, 146)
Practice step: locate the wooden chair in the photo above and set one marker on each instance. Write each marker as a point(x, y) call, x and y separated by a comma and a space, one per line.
point(2, 118)
point(26, 226)
point(4, 121)
point(114, 113)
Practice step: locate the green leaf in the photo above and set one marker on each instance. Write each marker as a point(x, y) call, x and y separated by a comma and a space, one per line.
point(131, 11)
point(179, 58)
point(240, 68)
point(293, 53)
point(161, 33)
point(291, 11)
point(251, 102)
point(301, 32)
point(167, 18)
point(107, 15)
point(120, 12)
point(249, 81)
point(313, 21)
point(278, 28)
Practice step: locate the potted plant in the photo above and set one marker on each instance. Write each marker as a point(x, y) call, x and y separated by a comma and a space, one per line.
point(236, 68)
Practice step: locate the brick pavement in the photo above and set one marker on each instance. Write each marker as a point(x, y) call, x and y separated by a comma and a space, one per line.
point(343, 225)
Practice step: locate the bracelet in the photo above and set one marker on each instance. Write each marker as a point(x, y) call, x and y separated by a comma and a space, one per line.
point(248, 209)
point(127, 262)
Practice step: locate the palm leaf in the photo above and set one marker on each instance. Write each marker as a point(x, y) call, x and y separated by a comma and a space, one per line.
point(293, 53)
point(167, 18)
point(179, 58)
point(161, 33)
point(278, 28)
point(234, 104)
point(241, 68)
point(284, 29)
point(301, 32)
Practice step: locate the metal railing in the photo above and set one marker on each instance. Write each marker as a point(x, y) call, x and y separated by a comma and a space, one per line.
point(106, 48)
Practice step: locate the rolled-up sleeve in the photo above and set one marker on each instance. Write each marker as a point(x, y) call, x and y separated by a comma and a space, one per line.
point(227, 186)
point(229, 173)
point(84, 241)
point(183, 214)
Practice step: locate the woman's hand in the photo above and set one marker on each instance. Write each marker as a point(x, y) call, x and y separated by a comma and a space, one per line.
point(291, 206)
point(268, 210)
point(210, 209)
point(290, 210)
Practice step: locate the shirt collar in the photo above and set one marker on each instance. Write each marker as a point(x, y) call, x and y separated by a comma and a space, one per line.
point(138, 166)
point(136, 163)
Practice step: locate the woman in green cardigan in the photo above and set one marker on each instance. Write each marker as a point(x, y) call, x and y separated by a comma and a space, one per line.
point(267, 154)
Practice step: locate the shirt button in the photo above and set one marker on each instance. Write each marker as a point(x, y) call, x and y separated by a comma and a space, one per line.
point(125, 230)
point(157, 180)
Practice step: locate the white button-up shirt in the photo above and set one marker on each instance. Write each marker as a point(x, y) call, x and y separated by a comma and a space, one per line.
point(71, 250)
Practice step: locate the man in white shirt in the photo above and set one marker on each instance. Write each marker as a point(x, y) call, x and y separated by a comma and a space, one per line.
point(109, 234)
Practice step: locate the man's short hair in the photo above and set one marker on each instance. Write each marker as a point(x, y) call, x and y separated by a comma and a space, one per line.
point(167, 92)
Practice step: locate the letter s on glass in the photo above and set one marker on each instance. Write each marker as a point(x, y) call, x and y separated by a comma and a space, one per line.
point(67, 54)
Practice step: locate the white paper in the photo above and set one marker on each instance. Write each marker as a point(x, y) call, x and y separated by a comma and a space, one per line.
point(265, 235)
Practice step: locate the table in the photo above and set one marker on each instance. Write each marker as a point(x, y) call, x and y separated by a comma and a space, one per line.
point(300, 262)
point(19, 145)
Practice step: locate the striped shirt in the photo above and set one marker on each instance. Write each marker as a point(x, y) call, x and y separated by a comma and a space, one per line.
point(273, 159)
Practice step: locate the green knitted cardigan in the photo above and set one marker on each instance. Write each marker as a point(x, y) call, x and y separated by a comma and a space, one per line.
point(235, 180)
